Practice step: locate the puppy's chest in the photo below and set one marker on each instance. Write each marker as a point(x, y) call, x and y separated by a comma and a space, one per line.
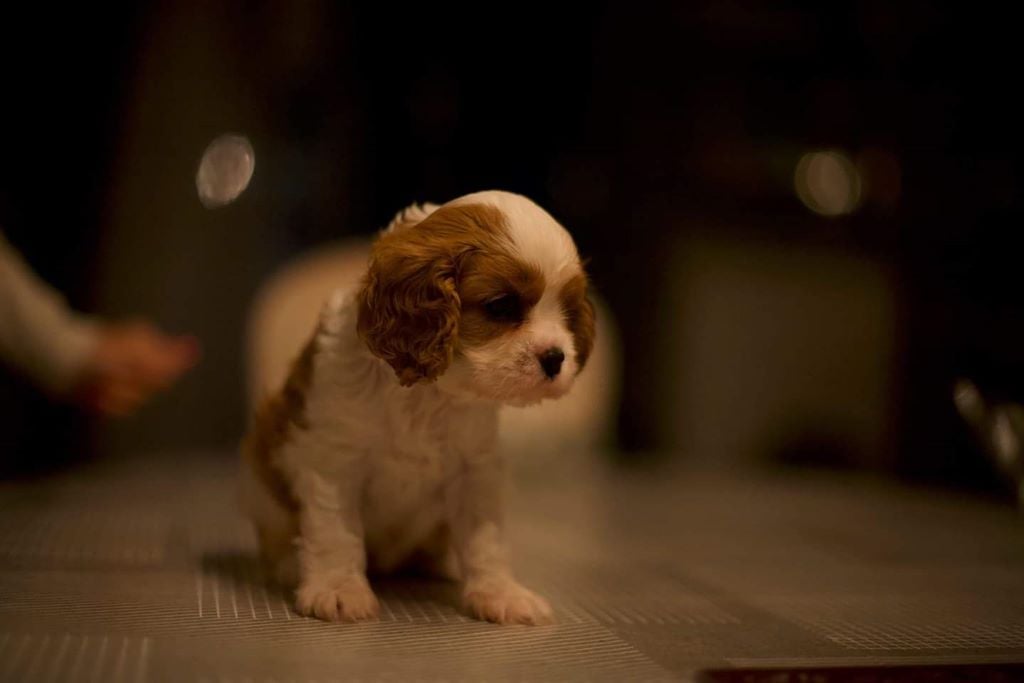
point(416, 434)
point(424, 441)
point(407, 466)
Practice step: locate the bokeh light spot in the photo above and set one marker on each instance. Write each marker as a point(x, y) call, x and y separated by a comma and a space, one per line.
point(225, 170)
point(828, 183)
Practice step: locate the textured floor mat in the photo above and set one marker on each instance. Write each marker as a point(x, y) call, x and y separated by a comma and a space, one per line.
point(143, 571)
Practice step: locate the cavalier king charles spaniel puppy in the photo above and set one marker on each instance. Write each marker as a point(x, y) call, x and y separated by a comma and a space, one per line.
point(378, 453)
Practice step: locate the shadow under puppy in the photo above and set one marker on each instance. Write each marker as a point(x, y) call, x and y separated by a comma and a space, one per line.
point(380, 448)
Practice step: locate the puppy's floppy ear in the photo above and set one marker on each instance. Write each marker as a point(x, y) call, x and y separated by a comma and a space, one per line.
point(409, 306)
point(584, 329)
point(580, 317)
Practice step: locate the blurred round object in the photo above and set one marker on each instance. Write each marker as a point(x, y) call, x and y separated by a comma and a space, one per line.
point(225, 170)
point(969, 402)
point(827, 183)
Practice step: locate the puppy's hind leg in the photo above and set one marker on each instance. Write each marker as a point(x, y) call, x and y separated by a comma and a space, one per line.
point(279, 554)
point(277, 529)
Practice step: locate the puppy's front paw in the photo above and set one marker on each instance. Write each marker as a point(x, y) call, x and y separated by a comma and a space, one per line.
point(506, 602)
point(347, 598)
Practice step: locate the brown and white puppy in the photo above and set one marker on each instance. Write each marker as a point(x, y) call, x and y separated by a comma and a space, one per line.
point(380, 448)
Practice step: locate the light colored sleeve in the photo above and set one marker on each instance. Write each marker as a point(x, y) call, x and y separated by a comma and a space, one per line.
point(39, 335)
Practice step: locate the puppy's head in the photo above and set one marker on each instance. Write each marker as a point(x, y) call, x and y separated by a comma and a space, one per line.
point(486, 293)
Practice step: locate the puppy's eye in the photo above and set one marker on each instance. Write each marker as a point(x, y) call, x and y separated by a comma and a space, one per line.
point(504, 308)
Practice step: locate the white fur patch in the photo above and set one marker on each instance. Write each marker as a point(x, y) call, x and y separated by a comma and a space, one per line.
point(537, 238)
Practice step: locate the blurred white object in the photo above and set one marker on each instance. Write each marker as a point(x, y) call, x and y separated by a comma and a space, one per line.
point(999, 429)
point(286, 308)
point(827, 183)
point(225, 170)
point(285, 311)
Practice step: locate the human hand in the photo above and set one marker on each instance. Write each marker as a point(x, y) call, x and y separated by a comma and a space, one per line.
point(132, 362)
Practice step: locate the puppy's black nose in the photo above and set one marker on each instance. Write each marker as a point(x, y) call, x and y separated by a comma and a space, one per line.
point(551, 362)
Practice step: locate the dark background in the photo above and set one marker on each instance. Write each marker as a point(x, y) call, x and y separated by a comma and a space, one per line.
point(651, 131)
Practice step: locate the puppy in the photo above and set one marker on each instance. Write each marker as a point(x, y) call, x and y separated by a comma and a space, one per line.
point(379, 451)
